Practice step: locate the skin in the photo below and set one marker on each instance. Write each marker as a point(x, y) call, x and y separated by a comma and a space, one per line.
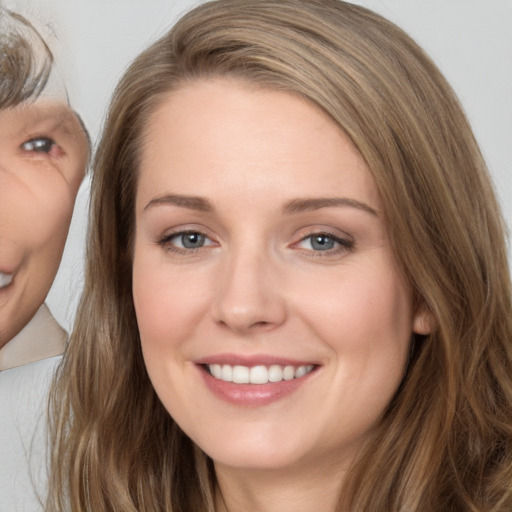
point(43, 156)
point(259, 287)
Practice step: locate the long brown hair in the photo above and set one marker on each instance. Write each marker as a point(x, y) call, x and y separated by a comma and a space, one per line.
point(445, 441)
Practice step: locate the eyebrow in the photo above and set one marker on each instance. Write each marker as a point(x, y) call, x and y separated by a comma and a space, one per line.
point(189, 202)
point(61, 116)
point(292, 207)
point(316, 203)
point(67, 119)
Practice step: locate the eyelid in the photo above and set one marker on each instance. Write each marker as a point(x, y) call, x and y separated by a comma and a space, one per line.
point(345, 242)
point(38, 146)
point(165, 240)
point(37, 139)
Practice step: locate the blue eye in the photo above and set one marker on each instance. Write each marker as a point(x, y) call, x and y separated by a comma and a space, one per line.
point(191, 240)
point(39, 145)
point(325, 242)
point(322, 242)
point(186, 240)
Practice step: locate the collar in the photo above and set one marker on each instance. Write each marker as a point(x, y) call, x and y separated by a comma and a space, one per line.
point(40, 339)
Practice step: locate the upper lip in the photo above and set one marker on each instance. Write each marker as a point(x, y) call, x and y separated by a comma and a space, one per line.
point(252, 360)
point(8, 269)
point(10, 263)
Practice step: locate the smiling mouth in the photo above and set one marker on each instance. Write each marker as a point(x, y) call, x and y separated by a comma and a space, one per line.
point(5, 280)
point(259, 374)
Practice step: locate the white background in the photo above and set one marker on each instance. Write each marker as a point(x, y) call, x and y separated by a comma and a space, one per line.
point(470, 40)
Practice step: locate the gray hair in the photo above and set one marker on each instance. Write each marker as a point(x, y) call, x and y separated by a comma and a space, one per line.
point(25, 60)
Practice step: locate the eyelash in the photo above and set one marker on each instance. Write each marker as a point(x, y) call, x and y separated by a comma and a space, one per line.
point(39, 145)
point(166, 242)
point(343, 244)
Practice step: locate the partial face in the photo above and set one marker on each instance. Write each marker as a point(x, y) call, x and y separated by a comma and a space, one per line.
point(43, 154)
point(274, 323)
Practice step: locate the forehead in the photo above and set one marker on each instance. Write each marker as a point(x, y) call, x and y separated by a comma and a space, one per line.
point(227, 111)
point(225, 132)
point(32, 113)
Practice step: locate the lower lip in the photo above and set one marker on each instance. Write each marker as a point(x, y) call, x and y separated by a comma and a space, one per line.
point(252, 395)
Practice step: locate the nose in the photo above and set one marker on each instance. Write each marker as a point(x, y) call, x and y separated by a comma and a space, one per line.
point(249, 297)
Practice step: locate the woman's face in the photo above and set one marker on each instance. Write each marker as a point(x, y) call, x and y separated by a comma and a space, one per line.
point(43, 154)
point(274, 323)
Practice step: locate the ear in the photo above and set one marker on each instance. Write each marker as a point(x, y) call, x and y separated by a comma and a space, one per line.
point(424, 321)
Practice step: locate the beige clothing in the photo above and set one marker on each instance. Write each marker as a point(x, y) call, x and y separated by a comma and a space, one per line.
point(40, 339)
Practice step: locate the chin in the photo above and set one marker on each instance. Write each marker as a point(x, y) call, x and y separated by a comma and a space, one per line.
point(252, 453)
point(255, 460)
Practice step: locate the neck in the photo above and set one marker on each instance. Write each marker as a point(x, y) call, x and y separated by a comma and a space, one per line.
point(264, 490)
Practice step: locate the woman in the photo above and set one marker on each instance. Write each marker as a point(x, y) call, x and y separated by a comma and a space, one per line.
point(43, 156)
point(297, 294)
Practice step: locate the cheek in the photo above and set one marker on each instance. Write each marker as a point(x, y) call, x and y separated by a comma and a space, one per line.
point(366, 322)
point(33, 231)
point(55, 224)
point(44, 241)
point(167, 304)
point(360, 301)
point(36, 214)
point(365, 319)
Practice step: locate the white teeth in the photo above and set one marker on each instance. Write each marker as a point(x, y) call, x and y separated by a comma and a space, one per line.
point(227, 373)
point(258, 374)
point(288, 373)
point(301, 371)
point(5, 279)
point(275, 373)
point(240, 375)
point(216, 370)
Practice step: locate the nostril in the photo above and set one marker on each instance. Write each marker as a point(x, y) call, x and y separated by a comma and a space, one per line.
point(244, 325)
point(260, 324)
